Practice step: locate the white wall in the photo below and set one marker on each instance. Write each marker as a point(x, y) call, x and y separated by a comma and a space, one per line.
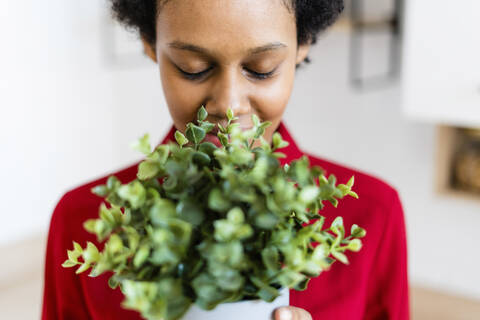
point(67, 116)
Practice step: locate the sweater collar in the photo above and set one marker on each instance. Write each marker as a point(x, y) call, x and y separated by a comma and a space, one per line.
point(292, 151)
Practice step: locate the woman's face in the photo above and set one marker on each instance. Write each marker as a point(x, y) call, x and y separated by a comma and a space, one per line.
point(238, 54)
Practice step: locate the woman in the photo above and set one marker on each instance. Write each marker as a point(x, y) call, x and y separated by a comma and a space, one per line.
point(241, 54)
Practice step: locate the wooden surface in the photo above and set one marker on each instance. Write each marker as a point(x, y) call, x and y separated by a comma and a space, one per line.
point(448, 140)
point(429, 304)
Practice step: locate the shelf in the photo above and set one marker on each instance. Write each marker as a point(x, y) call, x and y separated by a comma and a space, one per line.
point(449, 142)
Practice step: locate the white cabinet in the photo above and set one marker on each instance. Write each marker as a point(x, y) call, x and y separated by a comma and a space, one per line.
point(441, 61)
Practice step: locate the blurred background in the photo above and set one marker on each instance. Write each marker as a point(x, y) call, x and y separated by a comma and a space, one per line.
point(403, 77)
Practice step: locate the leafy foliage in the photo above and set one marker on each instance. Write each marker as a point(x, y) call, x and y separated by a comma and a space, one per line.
point(207, 225)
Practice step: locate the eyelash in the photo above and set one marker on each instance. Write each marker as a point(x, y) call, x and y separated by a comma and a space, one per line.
point(196, 76)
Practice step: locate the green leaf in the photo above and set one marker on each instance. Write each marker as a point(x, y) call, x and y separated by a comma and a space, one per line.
point(333, 201)
point(163, 151)
point(221, 128)
point(207, 126)
point(266, 220)
point(134, 193)
point(255, 120)
point(271, 258)
point(357, 232)
point(268, 293)
point(202, 113)
point(99, 268)
point(232, 228)
point(309, 194)
point(351, 181)
point(106, 215)
point(113, 183)
point(84, 267)
point(290, 279)
point(101, 191)
point(187, 210)
point(230, 114)
point(201, 158)
point(114, 244)
point(68, 264)
point(343, 188)
point(259, 132)
point(161, 211)
point(234, 128)
point(113, 282)
point(278, 142)
point(141, 255)
point(338, 222)
point(91, 253)
point(91, 226)
point(77, 247)
point(142, 144)
point(73, 255)
point(240, 156)
point(147, 170)
point(340, 257)
point(302, 285)
point(355, 245)
point(207, 148)
point(180, 138)
point(195, 134)
point(235, 215)
point(223, 138)
point(279, 155)
point(353, 194)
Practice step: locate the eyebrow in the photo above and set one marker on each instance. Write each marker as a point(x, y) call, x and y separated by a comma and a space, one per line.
point(190, 47)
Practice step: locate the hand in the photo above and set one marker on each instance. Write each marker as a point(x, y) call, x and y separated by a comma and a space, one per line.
point(291, 313)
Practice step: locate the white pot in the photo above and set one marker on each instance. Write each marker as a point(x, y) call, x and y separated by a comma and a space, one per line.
point(249, 309)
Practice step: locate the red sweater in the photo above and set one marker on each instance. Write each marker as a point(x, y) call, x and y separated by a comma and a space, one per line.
point(373, 286)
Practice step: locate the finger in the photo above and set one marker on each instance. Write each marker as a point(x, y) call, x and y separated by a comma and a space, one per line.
point(291, 313)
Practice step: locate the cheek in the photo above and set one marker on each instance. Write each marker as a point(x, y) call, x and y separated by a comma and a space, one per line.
point(271, 100)
point(182, 99)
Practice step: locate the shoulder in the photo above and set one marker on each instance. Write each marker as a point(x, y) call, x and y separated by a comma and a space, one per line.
point(377, 207)
point(373, 189)
point(379, 269)
point(79, 203)
point(82, 195)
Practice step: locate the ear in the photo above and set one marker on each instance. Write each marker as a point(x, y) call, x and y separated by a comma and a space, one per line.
point(149, 50)
point(302, 52)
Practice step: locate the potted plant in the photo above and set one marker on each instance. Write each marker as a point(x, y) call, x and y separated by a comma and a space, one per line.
point(207, 231)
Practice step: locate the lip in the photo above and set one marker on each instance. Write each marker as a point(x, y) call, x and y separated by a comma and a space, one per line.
point(213, 139)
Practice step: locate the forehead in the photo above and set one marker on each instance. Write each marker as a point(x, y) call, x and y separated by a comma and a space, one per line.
point(226, 26)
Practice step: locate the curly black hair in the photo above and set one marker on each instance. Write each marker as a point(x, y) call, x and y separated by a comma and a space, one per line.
point(312, 16)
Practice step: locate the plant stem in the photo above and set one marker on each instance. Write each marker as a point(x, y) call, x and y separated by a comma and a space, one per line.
point(251, 144)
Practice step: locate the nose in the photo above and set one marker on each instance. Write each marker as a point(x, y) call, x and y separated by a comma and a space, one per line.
point(228, 91)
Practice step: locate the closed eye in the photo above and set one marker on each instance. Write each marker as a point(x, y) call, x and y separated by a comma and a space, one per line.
point(199, 75)
point(262, 76)
point(193, 76)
